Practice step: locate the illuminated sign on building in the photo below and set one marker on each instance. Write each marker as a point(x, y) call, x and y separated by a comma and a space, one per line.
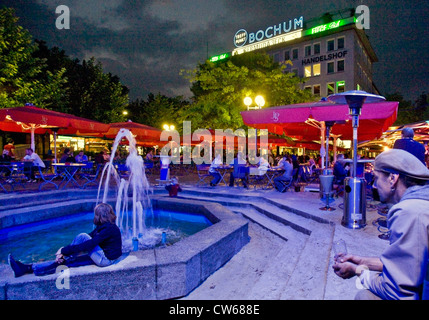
point(219, 57)
point(326, 57)
point(329, 26)
point(269, 42)
point(247, 42)
point(242, 37)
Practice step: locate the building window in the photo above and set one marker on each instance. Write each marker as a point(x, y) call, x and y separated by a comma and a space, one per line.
point(330, 88)
point(307, 71)
point(316, 48)
point(295, 71)
point(340, 43)
point(287, 55)
point(316, 90)
point(331, 45)
point(316, 69)
point(307, 51)
point(295, 54)
point(331, 67)
point(307, 88)
point(340, 65)
point(341, 86)
point(276, 57)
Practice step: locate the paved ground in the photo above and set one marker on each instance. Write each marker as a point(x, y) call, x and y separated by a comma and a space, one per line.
point(270, 267)
point(289, 255)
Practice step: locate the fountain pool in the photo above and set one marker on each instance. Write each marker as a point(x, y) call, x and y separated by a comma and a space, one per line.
point(39, 241)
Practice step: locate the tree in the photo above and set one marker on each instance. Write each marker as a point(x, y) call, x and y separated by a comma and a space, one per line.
point(409, 112)
point(89, 93)
point(19, 69)
point(219, 89)
point(157, 110)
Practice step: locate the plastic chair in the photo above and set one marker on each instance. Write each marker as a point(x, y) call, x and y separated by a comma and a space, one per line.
point(287, 184)
point(203, 172)
point(91, 176)
point(46, 177)
point(240, 172)
point(123, 170)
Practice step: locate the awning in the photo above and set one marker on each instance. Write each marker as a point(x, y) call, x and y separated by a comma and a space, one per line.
point(291, 120)
point(36, 120)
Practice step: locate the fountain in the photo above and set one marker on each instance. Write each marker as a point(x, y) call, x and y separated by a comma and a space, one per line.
point(136, 184)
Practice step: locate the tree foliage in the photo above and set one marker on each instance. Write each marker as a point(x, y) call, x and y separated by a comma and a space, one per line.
point(219, 89)
point(48, 78)
point(409, 112)
point(157, 110)
point(20, 70)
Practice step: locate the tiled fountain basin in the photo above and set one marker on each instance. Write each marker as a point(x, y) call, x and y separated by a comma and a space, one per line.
point(162, 273)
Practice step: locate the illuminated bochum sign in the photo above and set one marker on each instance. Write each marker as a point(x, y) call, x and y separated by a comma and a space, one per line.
point(242, 38)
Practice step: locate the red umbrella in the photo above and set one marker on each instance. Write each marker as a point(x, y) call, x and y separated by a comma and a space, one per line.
point(144, 134)
point(291, 119)
point(37, 120)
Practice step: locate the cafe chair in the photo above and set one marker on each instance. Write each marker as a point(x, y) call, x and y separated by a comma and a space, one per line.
point(47, 178)
point(91, 176)
point(203, 173)
point(287, 184)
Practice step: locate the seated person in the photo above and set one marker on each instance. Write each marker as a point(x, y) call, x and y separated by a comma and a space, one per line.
point(67, 156)
point(286, 164)
point(212, 170)
point(80, 157)
point(5, 159)
point(31, 156)
point(238, 161)
point(408, 143)
point(173, 188)
point(340, 169)
point(103, 246)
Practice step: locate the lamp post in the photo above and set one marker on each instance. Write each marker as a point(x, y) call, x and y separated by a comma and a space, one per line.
point(354, 199)
point(260, 102)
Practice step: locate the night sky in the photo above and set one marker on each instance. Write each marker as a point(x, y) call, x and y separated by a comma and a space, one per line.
point(147, 43)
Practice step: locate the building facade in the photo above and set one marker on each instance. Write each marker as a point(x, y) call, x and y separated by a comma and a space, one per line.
point(332, 52)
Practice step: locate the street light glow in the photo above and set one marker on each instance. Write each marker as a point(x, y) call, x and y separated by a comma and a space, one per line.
point(248, 101)
point(260, 101)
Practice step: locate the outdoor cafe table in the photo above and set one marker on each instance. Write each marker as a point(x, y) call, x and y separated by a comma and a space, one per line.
point(69, 171)
point(271, 174)
point(222, 170)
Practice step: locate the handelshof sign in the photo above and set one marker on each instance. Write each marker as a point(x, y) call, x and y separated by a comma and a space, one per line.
point(326, 57)
point(242, 37)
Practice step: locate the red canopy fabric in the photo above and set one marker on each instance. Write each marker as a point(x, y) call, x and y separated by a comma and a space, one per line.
point(45, 118)
point(144, 134)
point(290, 120)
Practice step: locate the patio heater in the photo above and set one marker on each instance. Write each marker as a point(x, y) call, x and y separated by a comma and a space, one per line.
point(327, 177)
point(354, 215)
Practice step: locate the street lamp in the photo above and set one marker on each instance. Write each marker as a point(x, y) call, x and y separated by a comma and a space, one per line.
point(169, 127)
point(259, 100)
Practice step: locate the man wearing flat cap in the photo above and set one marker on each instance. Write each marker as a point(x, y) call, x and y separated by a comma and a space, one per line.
point(402, 180)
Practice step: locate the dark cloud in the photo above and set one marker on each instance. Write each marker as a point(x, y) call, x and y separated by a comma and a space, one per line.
point(147, 43)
